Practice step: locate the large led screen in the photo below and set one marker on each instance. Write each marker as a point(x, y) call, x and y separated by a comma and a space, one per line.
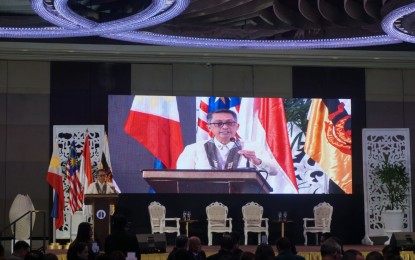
point(297, 146)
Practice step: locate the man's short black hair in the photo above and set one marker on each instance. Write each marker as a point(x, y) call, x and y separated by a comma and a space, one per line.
point(283, 243)
point(221, 110)
point(227, 242)
point(181, 241)
point(21, 245)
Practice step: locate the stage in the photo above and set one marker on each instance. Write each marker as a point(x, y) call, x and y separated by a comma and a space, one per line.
point(309, 252)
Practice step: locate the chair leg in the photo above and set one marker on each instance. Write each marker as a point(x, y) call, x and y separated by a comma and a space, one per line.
point(305, 238)
point(209, 238)
point(246, 238)
point(316, 239)
point(259, 238)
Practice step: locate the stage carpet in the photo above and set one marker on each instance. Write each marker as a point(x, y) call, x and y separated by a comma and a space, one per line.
point(309, 252)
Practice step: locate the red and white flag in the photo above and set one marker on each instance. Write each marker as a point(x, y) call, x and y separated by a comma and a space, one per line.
point(85, 171)
point(263, 120)
point(154, 122)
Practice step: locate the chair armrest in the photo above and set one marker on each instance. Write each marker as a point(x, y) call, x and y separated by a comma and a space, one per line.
point(175, 219)
point(307, 219)
point(230, 223)
point(265, 221)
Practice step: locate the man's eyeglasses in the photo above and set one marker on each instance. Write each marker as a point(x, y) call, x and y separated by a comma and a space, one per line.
point(221, 124)
point(101, 175)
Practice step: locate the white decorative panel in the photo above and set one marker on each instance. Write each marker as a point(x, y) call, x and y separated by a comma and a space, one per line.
point(63, 136)
point(394, 143)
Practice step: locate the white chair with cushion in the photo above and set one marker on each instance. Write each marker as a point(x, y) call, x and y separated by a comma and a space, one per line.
point(320, 223)
point(218, 221)
point(253, 220)
point(158, 219)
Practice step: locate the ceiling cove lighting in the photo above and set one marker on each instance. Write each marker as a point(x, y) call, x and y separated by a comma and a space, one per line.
point(70, 24)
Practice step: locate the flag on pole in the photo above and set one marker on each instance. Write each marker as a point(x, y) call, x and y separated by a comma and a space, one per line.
point(85, 172)
point(72, 174)
point(209, 104)
point(154, 122)
point(106, 164)
point(329, 140)
point(55, 180)
point(263, 120)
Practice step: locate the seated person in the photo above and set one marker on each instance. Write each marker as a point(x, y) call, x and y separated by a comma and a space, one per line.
point(195, 249)
point(285, 250)
point(181, 244)
point(20, 250)
point(120, 239)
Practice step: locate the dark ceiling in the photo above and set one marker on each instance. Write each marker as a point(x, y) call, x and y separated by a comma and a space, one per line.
point(233, 19)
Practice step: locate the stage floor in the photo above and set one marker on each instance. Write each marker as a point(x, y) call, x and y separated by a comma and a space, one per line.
point(311, 252)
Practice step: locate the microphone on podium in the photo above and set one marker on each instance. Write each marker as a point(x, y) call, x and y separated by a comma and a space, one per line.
point(233, 139)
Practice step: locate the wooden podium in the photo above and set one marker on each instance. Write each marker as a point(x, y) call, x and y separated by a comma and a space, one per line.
point(206, 181)
point(101, 204)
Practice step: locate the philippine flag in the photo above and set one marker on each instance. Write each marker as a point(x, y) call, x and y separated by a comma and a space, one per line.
point(154, 122)
point(54, 178)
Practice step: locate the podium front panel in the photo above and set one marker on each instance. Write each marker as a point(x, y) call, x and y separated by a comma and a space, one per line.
point(206, 181)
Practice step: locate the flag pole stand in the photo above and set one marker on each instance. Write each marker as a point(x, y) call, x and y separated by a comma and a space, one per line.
point(54, 245)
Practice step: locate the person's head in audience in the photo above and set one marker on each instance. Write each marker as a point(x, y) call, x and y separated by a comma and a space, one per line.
point(181, 254)
point(391, 253)
point(236, 238)
point(21, 248)
point(50, 256)
point(264, 252)
point(104, 256)
point(247, 256)
point(181, 242)
point(283, 244)
point(34, 255)
point(324, 236)
point(78, 251)
point(330, 249)
point(227, 243)
point(84, 232)
point(119, 222)
point(374, 255)
point(118, 255)
point(195, 245)
point(1, 252)
point(352, 254)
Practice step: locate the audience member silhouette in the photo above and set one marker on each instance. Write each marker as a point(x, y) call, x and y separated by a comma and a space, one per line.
point(236, 251)
point(330, 249)
point(118, 255)
point(181, 243)
point(50, 256)
point(247, 256)
point(120, 239)
point(2, 256)
point(374, 255)
point(264, 252)
point(78, 251)
point(352, 254)
point(195, 249)
point(325, 236)
point(34, 255)
point(84, 235)
point(285, 250)
point(391, 253)
point(20, 250)
point(225, 251)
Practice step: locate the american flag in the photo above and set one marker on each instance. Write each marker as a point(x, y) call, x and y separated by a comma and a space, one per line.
point(72, 174)
point(209, 104)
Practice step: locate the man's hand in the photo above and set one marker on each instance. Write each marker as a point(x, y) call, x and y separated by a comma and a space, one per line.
point(250, 155)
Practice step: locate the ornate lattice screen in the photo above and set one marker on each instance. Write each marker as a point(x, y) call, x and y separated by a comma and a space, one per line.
point(378, 143)
point(63, 136)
